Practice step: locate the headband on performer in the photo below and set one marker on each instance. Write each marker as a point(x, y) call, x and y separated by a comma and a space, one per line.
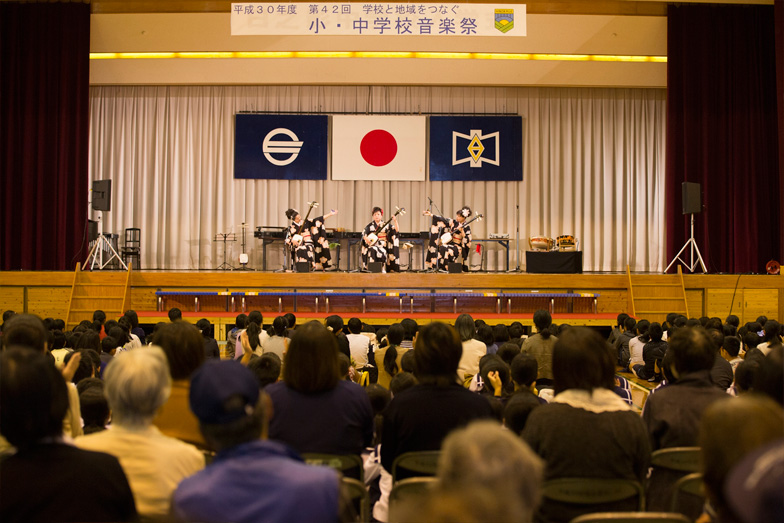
point(465, 212)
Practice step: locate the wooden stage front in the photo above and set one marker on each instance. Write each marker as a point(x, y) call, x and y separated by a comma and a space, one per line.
point(747, 296)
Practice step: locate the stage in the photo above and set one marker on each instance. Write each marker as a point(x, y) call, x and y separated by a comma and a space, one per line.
point(423, 296)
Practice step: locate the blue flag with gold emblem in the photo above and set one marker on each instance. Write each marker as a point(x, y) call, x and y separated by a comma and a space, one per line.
point(476, 148)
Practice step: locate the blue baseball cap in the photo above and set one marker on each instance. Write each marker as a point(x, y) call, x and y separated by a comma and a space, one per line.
point(214, 383)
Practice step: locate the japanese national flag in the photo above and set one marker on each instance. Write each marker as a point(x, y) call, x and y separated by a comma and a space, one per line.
point(378, 148)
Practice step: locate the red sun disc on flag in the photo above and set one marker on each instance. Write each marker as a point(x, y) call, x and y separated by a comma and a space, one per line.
point(378, 148)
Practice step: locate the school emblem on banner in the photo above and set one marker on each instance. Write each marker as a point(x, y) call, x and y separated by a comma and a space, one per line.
point(476, 148)
point(504, 19)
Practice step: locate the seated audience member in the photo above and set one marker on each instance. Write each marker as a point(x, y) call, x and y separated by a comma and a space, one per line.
point(402, 381)
point(377, 480)
point(93, 404)
point(484, 333)
point(721, 372)
point(99, 318)
point(465, 505)
point(211, 350)
point(483, 454)
point(89, 365)
point(358, 343)
point(731, 430)
point(410, 330)
point(586, 430)
point(344, 367)
point(616, 331)
point(770, 378)
point(57, 348)
point(175, 314)
point(517, 409)
point(28, 331)
point(473, 349)
point(240, 323)
point(108, 350)
point(182, 343)
point(135, 342)
point(730, 350)
point(501, 335)
point(623, 389)
point(733, 320)
point(516, 333)
point(313, 410)
point(496, 379)
point(334, 324)
point(38, 481)
point(136, 330)
point(622, 343)
point(121, 337)
point(252, 337)
point(638, 342)
point(407, 361)
point(652, 355)
point(388, 358)
point(540, 346)
point(90, 339)
point(508, 351)
point(672, 415)
point(419, 418)
point(266, 369)
point(524, 370)
point(750, 340)
point(772, 331)
point(251, 478)
point(276, 342)
point(137, 384)
point(291, 321)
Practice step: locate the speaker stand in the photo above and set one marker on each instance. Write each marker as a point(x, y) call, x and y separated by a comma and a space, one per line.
point(692, 244)
point(96, 253)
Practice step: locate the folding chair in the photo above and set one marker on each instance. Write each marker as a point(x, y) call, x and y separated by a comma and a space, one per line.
point(415, 464)
point(349, 464)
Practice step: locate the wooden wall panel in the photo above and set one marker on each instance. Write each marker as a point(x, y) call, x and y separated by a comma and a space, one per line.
point(12, 298)
point(762, 302)
point(48, 302)
point(694, 299)
point(723, 302)
point(143, 298)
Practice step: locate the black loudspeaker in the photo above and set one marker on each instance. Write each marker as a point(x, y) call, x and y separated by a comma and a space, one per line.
point(692, 200)
point(454, 268)
point(375, 266)
point(102, 195)
point(303, 266)
point(92, 230)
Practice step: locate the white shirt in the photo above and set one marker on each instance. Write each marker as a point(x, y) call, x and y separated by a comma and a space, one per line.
point(154, 464)
point(635, 349)
point(276, 344)
point(359, 344)
point(473, 350)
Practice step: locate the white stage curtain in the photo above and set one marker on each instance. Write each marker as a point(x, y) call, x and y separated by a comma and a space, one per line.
point(593, 167)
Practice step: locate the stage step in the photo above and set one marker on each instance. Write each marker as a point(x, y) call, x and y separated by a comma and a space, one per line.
point(82, 305)
point(669, 296)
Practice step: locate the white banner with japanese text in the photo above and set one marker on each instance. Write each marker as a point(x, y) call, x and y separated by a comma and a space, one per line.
point(377, 19)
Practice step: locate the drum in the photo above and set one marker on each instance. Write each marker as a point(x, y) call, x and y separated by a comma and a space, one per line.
point(540, 243)
point(566, 242)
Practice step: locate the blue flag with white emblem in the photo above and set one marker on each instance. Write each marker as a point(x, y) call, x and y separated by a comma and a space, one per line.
point(280, 146)
point(476, 148)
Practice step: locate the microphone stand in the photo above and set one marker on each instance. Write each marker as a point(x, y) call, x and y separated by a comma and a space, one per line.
point(517, 237)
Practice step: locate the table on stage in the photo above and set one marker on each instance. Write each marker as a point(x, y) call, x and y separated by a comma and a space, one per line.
point(554, 262)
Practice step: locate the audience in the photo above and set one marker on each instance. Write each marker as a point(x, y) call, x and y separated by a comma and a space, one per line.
point(587, 430)
point(175, 314)
point(473, 349)
point(93, 405)
point(240, 323)
point(276, 341)
point(540, 346)
point(251, 478)
point(137, 384)
point(211, 350)
point(182, 343)
point(334, 324)
point(313, 409)
point(358, 343)
point(266, 368)
point(44, 479)
point(388, 359)
point(420, 417)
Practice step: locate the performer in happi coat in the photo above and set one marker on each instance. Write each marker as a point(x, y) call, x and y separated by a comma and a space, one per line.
point(307, 239)
point(380, 242)
point(440, 252)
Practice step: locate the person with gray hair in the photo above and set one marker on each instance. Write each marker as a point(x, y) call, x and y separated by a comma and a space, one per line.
point(486, 455)
point(137, 384)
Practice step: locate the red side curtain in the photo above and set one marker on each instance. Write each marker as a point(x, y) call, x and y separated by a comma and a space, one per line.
point(44, 118)
point(722, 132)
point(779, 22)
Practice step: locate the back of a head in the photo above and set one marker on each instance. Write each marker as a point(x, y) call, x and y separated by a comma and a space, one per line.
point(266, 369)
point(33, 397)
point(629, 324)
point(184, 348)
point(410, 328)
point(25, 330)
point(407, 362)
point(89, 339)
point(256, 317)
point(496, 364)
point(517, 409)
point(655, 332)
point(175, 314)
point(485, 334)
point(279, 326)
point(291, 320)
point(516, 330)
point(334, 323)
point(772, 328)
point(524, 369)
point(355, 326)
point(717, 337)
point(311, 364)
point(484, 454)
point(582, 360)
point(731, 346)
point(622, 319)
point(133, 318)
point(770, 378)
point(542, 321)
point(508, 351)
point(108, 345)
point(692, 350)
point(395, 334)
point(119, 334)
point(751, 339)
point(93, 406)
point(642, 327)
point(729, 430)
point(241, 321)
point(137, 384)
point(379, 397)
point(401, 381)
point(437, 354)
point(464, 324)
point(733, 320)
point(205, 327)
point(99, 316)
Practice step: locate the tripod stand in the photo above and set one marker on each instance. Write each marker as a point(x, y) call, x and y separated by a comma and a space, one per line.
point(691, 242)
point(96, 253)
point(225, 237)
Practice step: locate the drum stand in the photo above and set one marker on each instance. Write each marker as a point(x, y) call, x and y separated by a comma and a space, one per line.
point(691, 242)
